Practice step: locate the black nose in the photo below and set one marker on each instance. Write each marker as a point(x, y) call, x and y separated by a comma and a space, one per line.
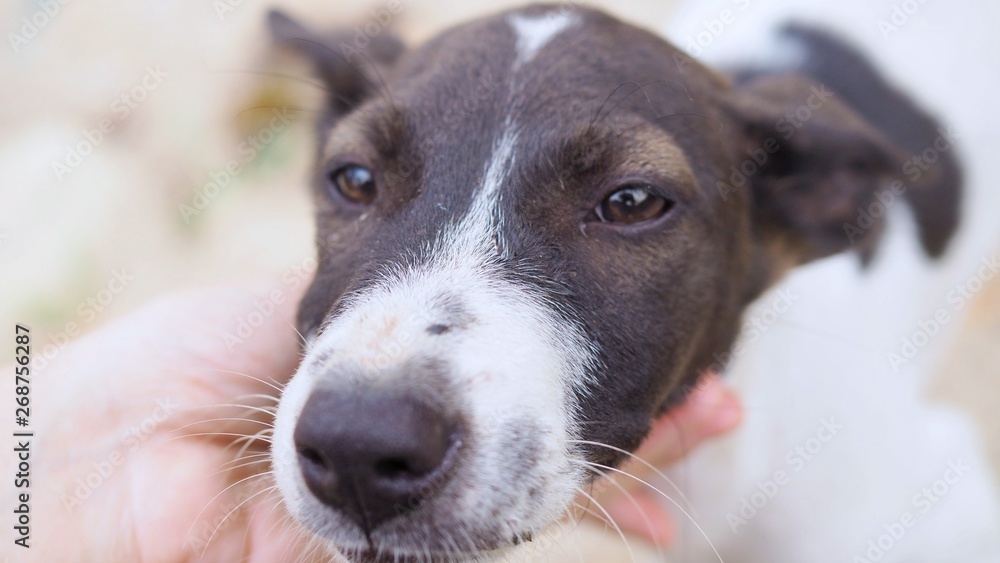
point(372, 456)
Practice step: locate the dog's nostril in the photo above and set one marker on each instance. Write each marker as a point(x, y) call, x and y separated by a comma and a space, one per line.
point(312, 456)
point(396, 467)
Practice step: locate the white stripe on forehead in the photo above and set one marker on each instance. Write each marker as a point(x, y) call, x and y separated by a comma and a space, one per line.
point(478, 236)
point(533, 33)
point(480, 233)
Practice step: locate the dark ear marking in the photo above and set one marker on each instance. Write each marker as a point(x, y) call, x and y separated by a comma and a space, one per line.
point(935, 192)
point(929, 175)
point(817, 163)
point(350, 71)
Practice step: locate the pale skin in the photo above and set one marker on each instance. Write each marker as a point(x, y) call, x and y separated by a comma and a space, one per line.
point(130, 452)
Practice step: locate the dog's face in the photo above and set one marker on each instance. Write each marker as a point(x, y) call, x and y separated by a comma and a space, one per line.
point(526, 254)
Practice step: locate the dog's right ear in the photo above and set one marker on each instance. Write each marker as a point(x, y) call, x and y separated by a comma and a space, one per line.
point(350, 68)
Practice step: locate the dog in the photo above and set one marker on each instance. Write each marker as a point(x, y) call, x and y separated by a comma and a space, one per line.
point(511, 290)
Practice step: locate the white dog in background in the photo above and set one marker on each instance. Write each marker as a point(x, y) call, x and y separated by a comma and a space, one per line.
point(841, 457)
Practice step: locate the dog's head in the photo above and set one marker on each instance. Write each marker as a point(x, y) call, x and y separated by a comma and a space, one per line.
point(534, 233)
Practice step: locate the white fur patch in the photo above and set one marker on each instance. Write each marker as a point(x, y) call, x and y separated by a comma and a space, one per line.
point(533, 33)
point(481, 231)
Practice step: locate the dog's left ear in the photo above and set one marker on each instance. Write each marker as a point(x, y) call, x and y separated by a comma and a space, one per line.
point(810, 163)
point(350, 68)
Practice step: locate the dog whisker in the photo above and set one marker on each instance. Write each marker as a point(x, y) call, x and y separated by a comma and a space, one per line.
point(628, 546)
point(289, 526)
point(666, 496)
point(248, 542)
point(271, 398)
point(597, 115)
point(645, 463)
point(592, 513)
point(246, 457)
point(307, 544)
point(242, 465)
point(240, 437)
point(273, 385)
point(226, 419)
point(265, 410)
point(268, 412)
point(209, 503)
point(233, 511)
point(631, 498)
point(251, 440)
point(302, 339)
point(241, 454)
point(262, 457)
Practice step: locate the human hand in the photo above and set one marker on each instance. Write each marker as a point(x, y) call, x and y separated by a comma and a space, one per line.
point(133, 442)
point(627, 495)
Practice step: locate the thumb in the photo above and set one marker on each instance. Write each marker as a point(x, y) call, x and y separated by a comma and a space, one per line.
point(710, 410)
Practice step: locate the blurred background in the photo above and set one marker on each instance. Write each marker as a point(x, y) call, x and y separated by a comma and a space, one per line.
point(147, 146)
point(120, 122)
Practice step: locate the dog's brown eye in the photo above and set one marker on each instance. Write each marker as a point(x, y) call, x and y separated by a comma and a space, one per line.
point(354, 182)
point(634, 203)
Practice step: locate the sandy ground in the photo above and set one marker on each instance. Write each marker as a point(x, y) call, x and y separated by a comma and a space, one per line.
point(177, 88)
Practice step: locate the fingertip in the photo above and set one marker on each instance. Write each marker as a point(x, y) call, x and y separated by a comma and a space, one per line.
point(710, 410)
point(715, 408)
point(644, 517)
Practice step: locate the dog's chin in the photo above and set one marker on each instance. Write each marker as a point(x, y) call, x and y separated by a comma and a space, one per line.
point(395, 554)
point(406, 540)
point(369, 556)
point(391, 549)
